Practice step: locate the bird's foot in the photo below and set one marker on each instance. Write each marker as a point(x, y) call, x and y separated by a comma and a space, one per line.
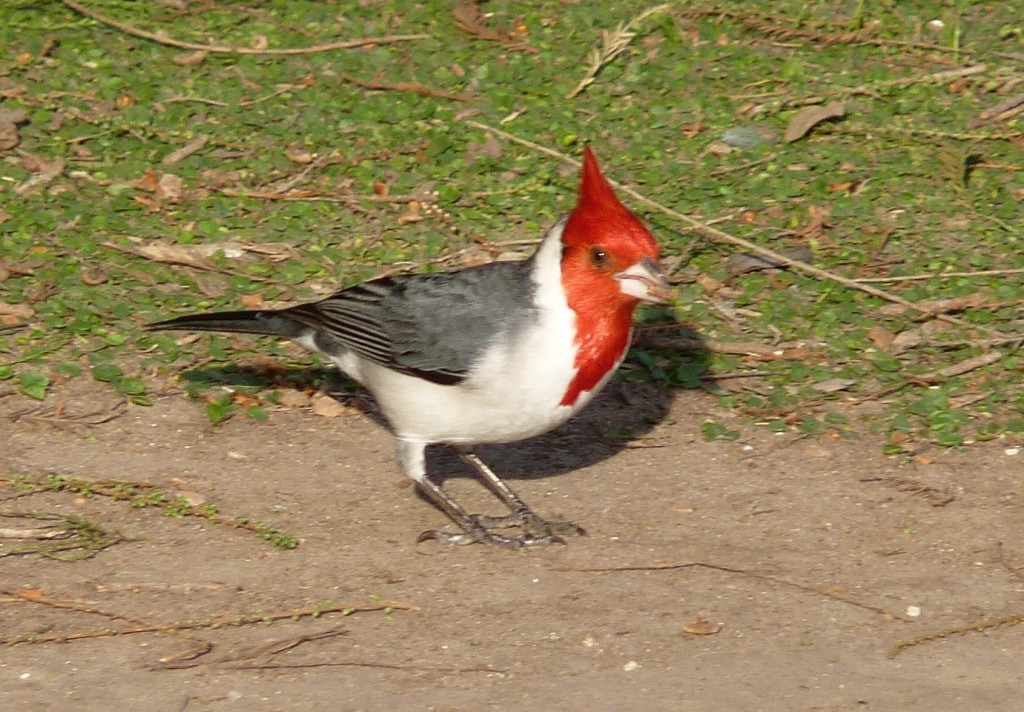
point(532, 524)
point(485, 536)
point(536, 531)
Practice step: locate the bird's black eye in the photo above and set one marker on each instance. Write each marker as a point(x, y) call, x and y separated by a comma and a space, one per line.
point(598, 257)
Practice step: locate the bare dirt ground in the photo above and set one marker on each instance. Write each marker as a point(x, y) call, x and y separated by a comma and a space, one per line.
point(804, 562)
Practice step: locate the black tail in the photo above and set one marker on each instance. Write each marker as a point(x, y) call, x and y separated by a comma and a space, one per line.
point(274, 323)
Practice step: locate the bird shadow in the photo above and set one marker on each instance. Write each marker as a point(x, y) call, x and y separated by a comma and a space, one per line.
point(622, 416)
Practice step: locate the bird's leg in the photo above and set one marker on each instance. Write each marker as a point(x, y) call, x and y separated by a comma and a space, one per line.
point(411, 458)
point(522, 515)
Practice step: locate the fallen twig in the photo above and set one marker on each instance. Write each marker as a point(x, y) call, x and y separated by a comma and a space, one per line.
point(939, 275)
point(180, 154)
point(1003, 111)
point(827, 593)
point(227, 49)
point(733, 240)
point(225, 621)
point(414, 87)
point(980, 626)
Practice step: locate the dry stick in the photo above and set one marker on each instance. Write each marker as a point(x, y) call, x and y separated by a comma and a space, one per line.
point(781, 260)
point(414, 87)
point(37, 597)
point(939, 275)
point(870, 88)
point(219, 622)
point(979, 626)
point(742, 572)
point(341, 44)
point(374, 665)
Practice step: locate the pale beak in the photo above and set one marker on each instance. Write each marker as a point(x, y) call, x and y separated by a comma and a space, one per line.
point(646, 281)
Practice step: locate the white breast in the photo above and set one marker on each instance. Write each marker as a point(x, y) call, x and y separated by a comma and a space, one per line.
point(513, 392)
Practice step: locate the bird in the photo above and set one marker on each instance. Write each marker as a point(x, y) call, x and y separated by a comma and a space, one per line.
point(493, 353)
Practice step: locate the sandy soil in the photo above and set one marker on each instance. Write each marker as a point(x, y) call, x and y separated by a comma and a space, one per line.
point(770, 573)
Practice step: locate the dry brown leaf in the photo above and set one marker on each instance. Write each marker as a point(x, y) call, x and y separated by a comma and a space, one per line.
point(489, 148)
point(193, 499)
point(244, 400)
point(743, 262)
point(43, 173)
point(701, 626)
point(22, 311)
point(15, 314)
point(294, 399)
point(170, 186)
point(297, 154)
point(906, 340)
point(96, 274)
point(845, 186)
point(149, 181)
point(881, 337)
point(274, 252)
point(327, 407)
point(691, 130)
point(210, 285)
point(167, 253)
point(469, 19)
point(251, 301)
point(9, 120)
point(708, 283)
point(833, 385)
point(189, 59)
point(719, 148)
point(807, 119)
point(819, 221)
point(185, 151)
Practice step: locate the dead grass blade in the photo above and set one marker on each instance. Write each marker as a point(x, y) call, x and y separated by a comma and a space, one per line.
point(826, 592)
point(469, 19)
point(613, 44)
point(980, 626)
point(225, 621)
point(225, 49)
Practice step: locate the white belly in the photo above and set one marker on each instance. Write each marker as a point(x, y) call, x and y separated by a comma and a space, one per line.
point(515, 392)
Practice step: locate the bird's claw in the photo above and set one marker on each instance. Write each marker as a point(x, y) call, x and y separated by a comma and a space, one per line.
point(532, 524)
point(485, 536)
point(536, 531)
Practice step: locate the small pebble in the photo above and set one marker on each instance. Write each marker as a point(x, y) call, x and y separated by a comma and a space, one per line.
point(913, 611)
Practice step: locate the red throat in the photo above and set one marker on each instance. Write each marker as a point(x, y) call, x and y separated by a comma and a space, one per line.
point(604, 315)
point(602, 337)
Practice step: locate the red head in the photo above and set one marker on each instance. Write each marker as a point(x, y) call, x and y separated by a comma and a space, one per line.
point(609, 265)
point(599, 219)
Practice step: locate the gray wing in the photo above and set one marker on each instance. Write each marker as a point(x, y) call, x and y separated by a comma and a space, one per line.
point(429, 325)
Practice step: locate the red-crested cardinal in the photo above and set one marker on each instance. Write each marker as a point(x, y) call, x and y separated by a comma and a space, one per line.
point(489, 354)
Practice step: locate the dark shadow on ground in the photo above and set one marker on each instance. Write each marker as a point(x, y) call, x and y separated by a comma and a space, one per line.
point(633, 404)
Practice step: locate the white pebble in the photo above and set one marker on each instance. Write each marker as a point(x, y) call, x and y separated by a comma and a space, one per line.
point(631, 666)
point(913, 611)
